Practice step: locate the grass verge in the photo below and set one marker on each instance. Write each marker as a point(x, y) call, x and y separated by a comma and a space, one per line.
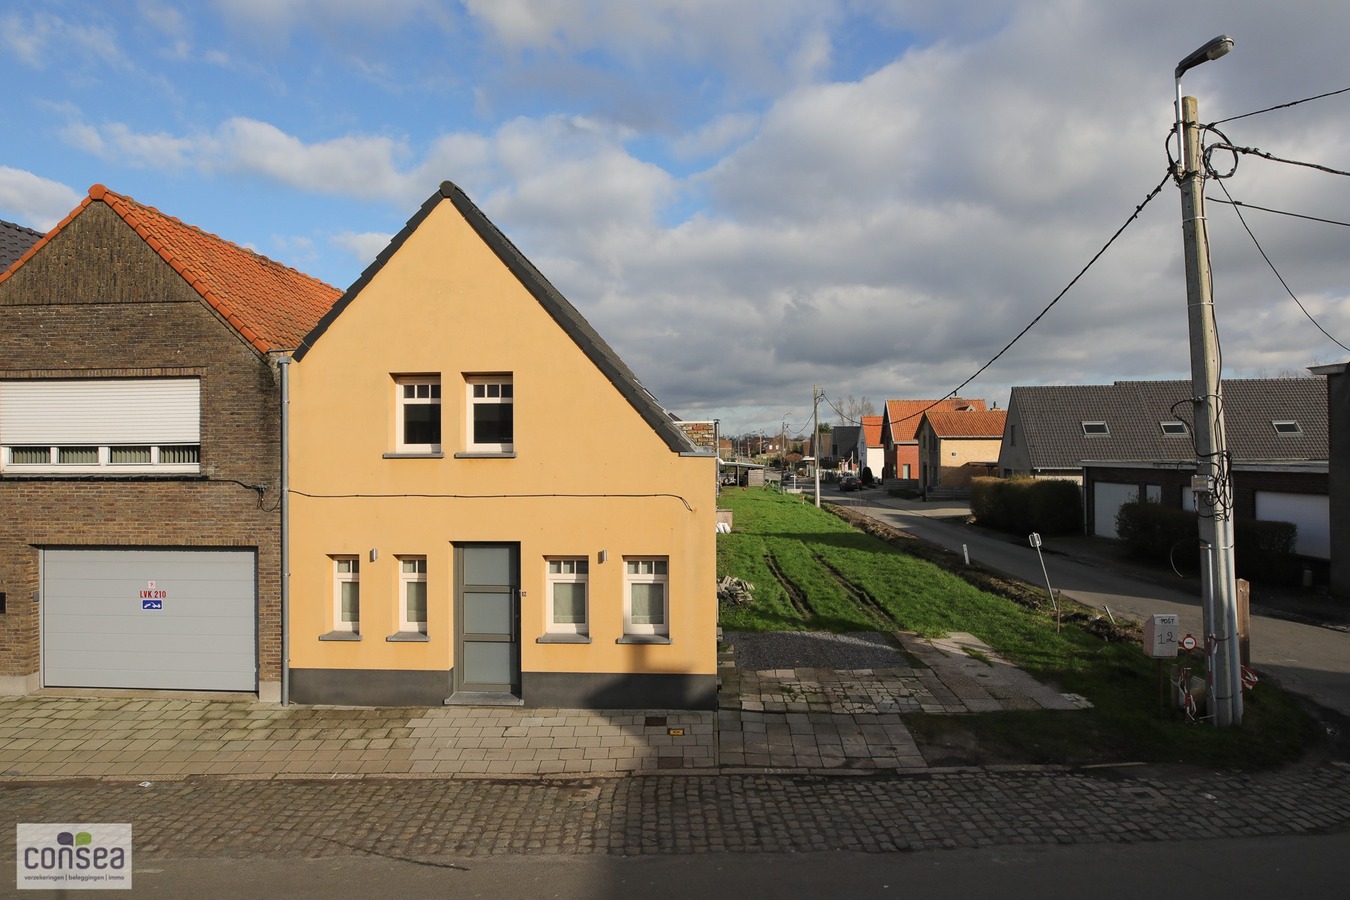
point(814, 571)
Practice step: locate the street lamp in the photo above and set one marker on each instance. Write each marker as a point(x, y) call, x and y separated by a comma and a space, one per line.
point(1217, 47)
point(1213, 498)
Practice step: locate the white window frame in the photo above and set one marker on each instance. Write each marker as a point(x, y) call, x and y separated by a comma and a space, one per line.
point(1099, 429)
point(1286, 427)
point(346, 570)
point(485, 389)
point(646, 570)
point(96, 417)
point(411, 570)
point(426, 391)
point(568, 570)
point(1174, 428)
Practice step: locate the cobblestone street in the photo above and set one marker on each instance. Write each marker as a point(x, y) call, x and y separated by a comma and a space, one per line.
point(431, 819)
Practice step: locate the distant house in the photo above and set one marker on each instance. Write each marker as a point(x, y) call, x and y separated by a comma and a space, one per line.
point(1338, 428)
point(1135, 439)
point(900, 427)
point(871, 447)
point(958, 445)
point(443, 549)
point(844, 446)
point(14, 242)
point(140, 433)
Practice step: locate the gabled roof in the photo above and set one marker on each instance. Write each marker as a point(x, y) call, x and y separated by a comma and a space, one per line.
point(844, 438)
point(980, 423)
point(1131, 414)
point(563, 312)
point(14, 242)
point(903, 416)
point(871, 426)
point(270, 305)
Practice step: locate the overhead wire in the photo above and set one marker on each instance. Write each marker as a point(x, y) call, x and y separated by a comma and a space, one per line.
point(1219, 177)
point(1096, 256)
point(1282, 106)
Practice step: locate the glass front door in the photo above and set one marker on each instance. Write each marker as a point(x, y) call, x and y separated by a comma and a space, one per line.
point(487, 616)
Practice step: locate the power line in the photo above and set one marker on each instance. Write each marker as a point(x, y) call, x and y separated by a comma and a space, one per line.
point(1266, 257)
point(1098, 255)
point(1278, 212)
point(1281, 106)
point(1253, 151)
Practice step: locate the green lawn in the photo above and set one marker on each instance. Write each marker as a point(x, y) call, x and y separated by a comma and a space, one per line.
point(812, 571)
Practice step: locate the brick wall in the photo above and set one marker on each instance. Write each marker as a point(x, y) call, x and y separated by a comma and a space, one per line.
point(96, 302)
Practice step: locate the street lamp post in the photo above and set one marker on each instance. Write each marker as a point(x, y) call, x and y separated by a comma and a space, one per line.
point(1212, 487)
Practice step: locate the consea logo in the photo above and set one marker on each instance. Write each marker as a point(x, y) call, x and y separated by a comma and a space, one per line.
point(88, 856)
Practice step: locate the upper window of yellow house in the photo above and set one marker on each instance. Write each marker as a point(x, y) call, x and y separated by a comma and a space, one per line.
point(491, 413)
point(418, 418)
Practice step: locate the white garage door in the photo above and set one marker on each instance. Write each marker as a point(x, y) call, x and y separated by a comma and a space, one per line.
point(1107, 499)
point(1310, 512)
point(164, 619)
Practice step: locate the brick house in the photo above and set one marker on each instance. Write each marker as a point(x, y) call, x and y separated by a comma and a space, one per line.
point(958, 445)
point(1133, 439)
point(900, 427)
point(140, 454)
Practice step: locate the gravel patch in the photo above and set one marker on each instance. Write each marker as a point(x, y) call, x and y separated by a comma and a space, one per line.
point(758, 651)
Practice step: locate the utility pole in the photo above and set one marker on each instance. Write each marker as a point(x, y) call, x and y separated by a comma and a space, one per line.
point(1212, 484)
point(815, 437)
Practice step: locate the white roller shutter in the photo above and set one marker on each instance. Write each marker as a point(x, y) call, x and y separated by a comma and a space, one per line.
point(1107, 499)
point(166, 619)
point(101, 412)
point(1310, 512)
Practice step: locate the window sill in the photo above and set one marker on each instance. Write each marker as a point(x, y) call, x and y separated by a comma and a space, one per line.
point(563, 639)
point(399, 637)
point(340, 636)
point(429, 455)
point(643, 639)
point(487, 454)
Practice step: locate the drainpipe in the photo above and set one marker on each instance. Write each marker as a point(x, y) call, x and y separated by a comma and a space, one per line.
point(284, 365)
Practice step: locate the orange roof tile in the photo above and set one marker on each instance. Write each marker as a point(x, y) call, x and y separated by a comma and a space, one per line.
point(904, 415)
point(872, 430)
point(270, 305)
point(968, 424)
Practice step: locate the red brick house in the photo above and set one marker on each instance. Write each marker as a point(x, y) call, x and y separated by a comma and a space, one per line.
point(140, 454)
point(900, 427)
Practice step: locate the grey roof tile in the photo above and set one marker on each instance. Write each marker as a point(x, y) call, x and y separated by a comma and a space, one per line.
point(1133, 411)
point(14, 242)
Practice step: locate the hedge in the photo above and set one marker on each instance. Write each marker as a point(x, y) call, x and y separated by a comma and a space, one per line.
point(1263, 551)
point(1024, 505)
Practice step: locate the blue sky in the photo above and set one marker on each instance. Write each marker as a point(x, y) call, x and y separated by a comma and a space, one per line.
point(745, 197)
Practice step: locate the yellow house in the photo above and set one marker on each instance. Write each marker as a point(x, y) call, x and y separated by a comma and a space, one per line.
point(485, 505)
point(957, 445)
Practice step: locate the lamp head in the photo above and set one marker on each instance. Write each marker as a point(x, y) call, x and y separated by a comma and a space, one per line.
point(1213, 50)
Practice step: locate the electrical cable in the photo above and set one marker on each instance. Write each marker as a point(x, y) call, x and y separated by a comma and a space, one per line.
point(491, 497)
point(1098, 255)
point(1281, 106)
point(1278, 212)
point(1269, 263)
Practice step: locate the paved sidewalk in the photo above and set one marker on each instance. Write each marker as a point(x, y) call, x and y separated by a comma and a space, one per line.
point(805, 720)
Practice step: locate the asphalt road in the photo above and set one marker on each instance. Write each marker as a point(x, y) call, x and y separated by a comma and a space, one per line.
point(1308, 660)
point(1285, 867)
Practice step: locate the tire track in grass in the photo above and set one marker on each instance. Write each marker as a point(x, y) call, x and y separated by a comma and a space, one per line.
point(796, 596)
point(867, 604)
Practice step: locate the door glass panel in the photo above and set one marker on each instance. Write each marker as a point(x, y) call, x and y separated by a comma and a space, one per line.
point(488, 565)
point(488, 663)
point(487, 613)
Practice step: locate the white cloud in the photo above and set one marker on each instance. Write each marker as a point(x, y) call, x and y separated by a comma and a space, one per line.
point(365, 246)
point(42, 40)
point(34, 201)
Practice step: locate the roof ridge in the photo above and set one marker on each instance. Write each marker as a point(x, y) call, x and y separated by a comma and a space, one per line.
point(104, 191)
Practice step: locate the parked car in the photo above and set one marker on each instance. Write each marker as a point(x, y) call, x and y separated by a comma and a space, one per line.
point(850, 483)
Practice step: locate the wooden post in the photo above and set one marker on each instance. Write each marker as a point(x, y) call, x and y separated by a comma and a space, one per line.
point(1244, 620)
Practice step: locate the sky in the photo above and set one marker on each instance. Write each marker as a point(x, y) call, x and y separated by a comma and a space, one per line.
point(748, 199)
